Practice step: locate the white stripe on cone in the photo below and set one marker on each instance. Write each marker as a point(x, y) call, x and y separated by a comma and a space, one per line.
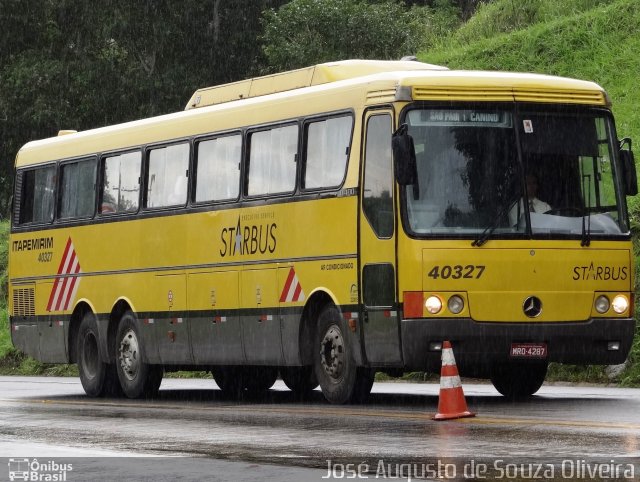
point(447, 357)
point(450, 382)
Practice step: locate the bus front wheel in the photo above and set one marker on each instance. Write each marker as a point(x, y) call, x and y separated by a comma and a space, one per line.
point(340, 379)
point(137, 378)
point(518, 380)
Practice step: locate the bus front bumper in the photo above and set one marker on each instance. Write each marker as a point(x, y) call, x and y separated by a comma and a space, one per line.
point(479, 345)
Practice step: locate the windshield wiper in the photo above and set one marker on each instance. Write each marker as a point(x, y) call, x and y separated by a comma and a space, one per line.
point(586, 229)
point(488, 231)
point(586, 226)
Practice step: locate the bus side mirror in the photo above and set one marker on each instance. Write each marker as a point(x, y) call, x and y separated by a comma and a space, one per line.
point(404, 155)
point(629, 175)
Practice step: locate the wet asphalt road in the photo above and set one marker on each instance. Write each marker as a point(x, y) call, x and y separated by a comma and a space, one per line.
point(205, 436)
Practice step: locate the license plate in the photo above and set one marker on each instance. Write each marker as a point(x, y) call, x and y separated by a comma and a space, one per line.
point(529, 350)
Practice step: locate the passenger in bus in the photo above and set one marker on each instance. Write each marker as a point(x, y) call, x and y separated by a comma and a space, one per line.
point(535, 205)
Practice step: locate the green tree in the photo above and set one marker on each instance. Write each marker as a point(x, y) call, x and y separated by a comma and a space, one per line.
point(306, 32)
point(73, 64)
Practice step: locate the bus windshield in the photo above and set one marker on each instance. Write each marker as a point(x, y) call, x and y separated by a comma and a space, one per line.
point(539, 172)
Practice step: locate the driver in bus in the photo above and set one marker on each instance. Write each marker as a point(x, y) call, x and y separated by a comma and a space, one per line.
point(535, 205)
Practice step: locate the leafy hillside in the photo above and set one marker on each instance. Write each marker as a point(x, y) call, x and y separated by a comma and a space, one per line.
point(600, 44)
point(502, 16)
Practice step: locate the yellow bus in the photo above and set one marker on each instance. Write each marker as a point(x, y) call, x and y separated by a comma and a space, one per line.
point(327, 223)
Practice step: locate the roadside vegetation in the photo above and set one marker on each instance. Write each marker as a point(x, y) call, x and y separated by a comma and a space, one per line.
point(597, 40)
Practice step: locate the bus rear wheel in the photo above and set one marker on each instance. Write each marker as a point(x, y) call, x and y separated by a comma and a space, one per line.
point(340, 379)
point(517, 381)
point(97, 377)
point(137, 378)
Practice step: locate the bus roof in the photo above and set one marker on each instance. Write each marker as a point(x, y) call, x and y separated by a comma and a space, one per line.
point(296, 79)
point(416, 82)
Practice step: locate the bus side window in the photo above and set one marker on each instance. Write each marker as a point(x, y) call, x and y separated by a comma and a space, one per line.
point(121, 183)
point(327, 152)
point(272, 156)
point(37, 195)
point(377, 202)
point(77, 189)
point(167, 176)
point(218, 168)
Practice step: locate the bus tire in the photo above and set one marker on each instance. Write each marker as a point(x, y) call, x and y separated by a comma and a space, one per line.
point(364, 382)
point(517, 381)
point(300, 380)
point(258, 379)
point(334, 365)
point(138, 379)
point(94, 373)
point(229, 379)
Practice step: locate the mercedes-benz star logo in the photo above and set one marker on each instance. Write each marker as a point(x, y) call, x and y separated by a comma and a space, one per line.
point(532, 307)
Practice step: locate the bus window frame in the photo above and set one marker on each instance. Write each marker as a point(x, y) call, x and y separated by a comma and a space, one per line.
point(58, 194)
point(193, 176)
point(303, 149)
point(246, 161)
point(518, 109)
point(100, 194)
point(15, 217)
point(146, 155)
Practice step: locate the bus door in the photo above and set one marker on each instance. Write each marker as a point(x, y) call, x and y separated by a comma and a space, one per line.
point(377, 243)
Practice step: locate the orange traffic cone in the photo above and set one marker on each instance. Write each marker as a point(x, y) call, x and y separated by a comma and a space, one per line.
point(451, 403)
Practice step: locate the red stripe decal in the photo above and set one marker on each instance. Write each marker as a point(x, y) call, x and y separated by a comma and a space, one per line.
point(61, 298)
point(72, 283)
point(58, 280)
point(53, 291)
point(64, 256)
point(296, 294)
point(287, 285)
point(60, 295)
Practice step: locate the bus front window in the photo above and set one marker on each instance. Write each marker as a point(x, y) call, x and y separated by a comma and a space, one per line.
point(471, 181)
point(468, 172)
point(571, 158)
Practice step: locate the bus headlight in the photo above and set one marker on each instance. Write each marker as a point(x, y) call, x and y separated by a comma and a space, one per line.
point(620, 304)
point(433, 304)
point(455, 304)
point(602, 304)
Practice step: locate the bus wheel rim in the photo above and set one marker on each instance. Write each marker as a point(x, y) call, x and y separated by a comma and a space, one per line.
point(129, 355)
point(332, 353)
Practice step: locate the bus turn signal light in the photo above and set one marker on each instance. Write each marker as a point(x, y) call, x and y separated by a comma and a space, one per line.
point(413, 302)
